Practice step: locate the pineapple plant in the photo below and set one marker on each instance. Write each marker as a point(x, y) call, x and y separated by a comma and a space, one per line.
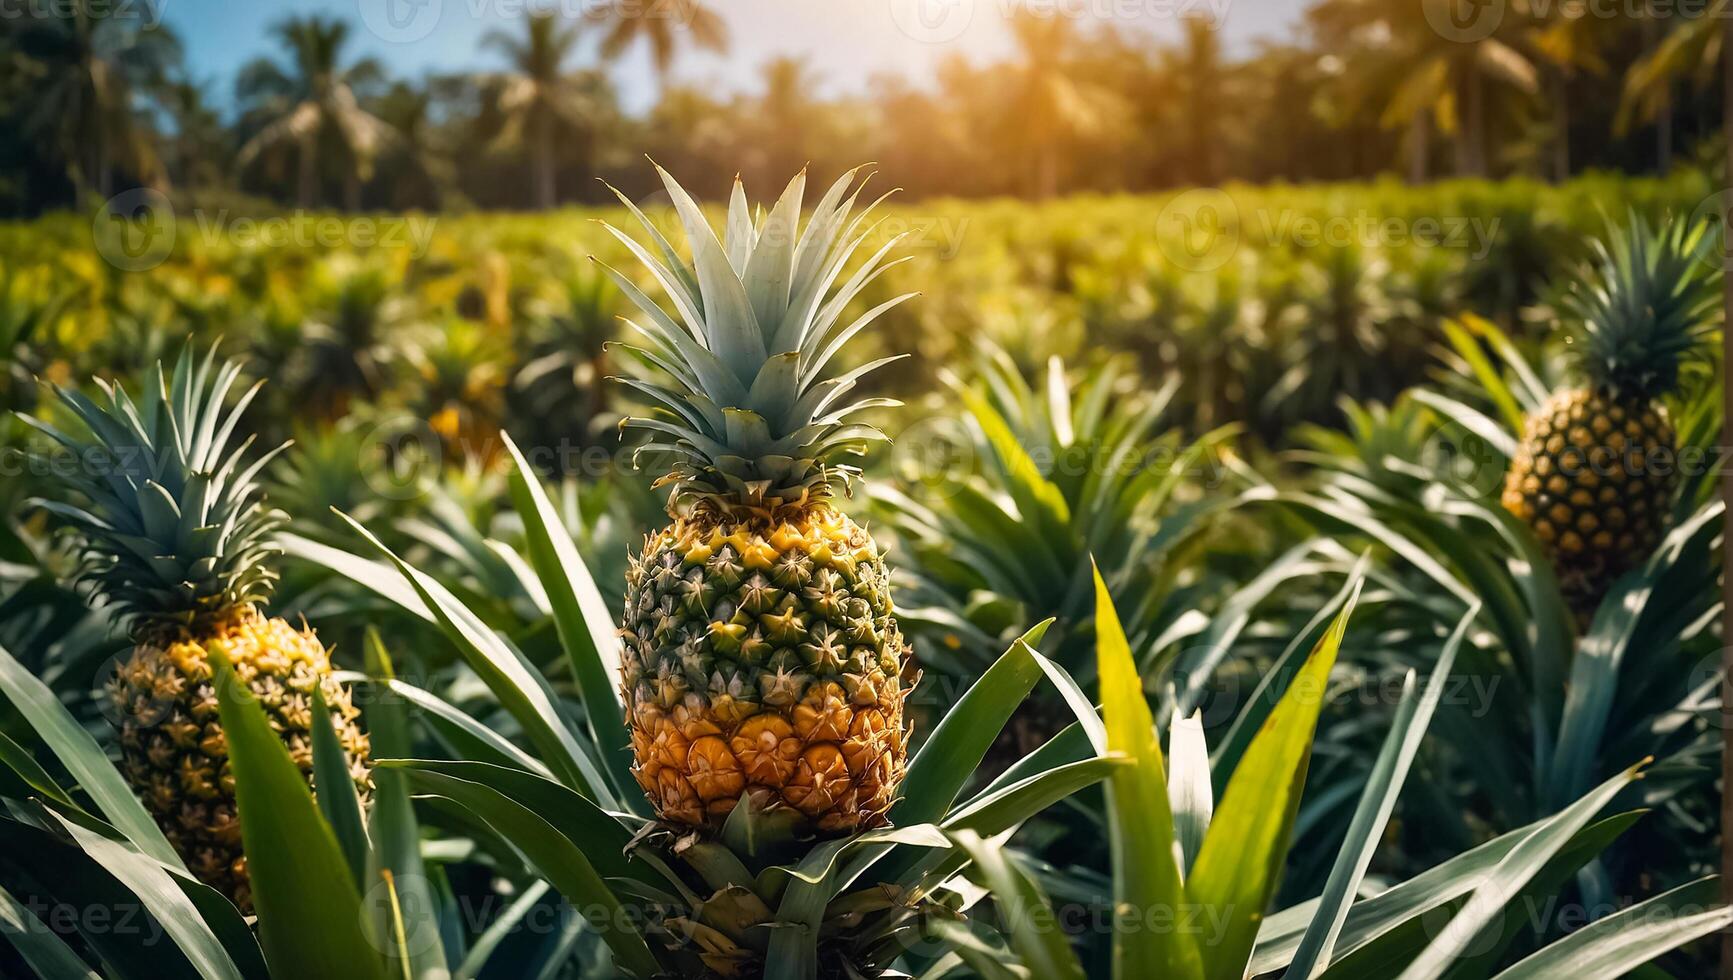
point(762, 658)
point(560, 379)
point(177, 540)
point(1555, 720)
point(1595, 472)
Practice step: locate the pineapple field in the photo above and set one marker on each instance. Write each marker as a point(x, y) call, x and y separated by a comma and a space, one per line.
point(1315, 581)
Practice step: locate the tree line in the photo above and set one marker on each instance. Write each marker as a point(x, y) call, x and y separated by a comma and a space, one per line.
point(92, 102)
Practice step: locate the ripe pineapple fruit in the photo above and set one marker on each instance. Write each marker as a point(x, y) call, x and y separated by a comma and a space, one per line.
point(762, 658)
point(1596, 471)
point(176, 539)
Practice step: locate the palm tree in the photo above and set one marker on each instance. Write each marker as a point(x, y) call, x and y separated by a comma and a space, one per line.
point(1691, 49)
point(312, 98)
point(1050, 105)
point(1423, 77)
point(89, 71)
point(1375, 39)
point(538, 96)
point(200, 143)
point(690, 128)
point(1570, 42)
point(787, 115)
point(427, 173)
point(1201, 77)
point(656, 21)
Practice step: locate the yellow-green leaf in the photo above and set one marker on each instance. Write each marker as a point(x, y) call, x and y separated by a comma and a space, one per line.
point(1146, 880)
point(1247, 844)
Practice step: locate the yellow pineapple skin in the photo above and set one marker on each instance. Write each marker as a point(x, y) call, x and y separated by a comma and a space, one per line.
point(762, 657)
point(1594, 478)
point(173, 752)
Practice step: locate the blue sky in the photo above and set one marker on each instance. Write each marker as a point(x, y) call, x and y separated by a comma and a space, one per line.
point(847, 41)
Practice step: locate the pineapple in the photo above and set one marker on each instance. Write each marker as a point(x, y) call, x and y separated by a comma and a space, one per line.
point(176, 539)
point(762, 659)
point(1596, 471)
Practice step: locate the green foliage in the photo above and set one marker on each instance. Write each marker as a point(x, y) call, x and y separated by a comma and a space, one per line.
point(1172, 641)
point(1567, 703)
point(1146, 876)
point(1046, 478)
point(174, 530)
point(1645, 303)
point(301, 884)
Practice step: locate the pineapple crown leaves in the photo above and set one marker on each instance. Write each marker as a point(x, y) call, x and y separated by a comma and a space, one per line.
point(750, 411)
point(1645, 300)
point(175, 533)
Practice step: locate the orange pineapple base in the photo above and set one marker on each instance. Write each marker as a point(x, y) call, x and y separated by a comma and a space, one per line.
point(763, 659)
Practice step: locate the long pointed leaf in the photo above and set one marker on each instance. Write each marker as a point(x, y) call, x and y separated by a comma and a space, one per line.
point(961, 740)
point(1626, 940)
point(1146, 879)
point(42, 950)
point(310, 921)
point(159, 893)
point(1242, 858)
point(400, 899)
point(335, 790)
point(514, 682)
point(1395, 918)
point(1413, 715)
point(560, 859)
point(585, 626)
point(1188, 788)
point(1035, 934)
point(1524, 861)
point(84, 758)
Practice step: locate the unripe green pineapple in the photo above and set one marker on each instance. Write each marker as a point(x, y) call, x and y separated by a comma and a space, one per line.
point(762, 658)
point(1597, 468)
point(176, 539)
